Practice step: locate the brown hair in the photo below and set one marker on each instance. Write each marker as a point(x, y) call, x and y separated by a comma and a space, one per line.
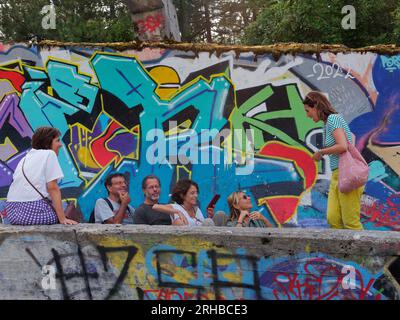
point(150, 176)
point(109, 178)
point(43, 137)
point(315, 99)
point(233, 200)
point(181, 188)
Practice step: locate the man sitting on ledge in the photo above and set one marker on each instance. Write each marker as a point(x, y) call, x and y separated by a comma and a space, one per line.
point(114, 209)
point(151, 212)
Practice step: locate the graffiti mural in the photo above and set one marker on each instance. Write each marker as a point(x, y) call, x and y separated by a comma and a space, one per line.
point(111, 107)
point(133, 266)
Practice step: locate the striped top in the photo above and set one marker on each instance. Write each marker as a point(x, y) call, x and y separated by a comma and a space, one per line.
point(334, 122)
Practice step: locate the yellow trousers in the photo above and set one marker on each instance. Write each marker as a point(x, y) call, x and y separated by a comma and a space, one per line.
point(343, 208)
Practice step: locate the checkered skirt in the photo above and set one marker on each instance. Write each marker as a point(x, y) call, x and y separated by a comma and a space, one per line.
point(30, 213)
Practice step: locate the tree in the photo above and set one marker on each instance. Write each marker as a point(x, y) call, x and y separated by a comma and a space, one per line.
point(319, 21)
point(221, 21)
point(396, 34)
point(83, 20)
point(192, 22)
point(231, 18)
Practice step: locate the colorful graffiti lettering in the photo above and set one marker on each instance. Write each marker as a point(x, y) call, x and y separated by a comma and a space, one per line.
point(383, 214)
point(150, 23)
point(105, 106)
point(320, 279)
point(165, 272)
point(391, 63)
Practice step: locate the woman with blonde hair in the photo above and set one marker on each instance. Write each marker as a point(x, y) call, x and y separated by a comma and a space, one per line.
point(343, 208)
point(240, 216)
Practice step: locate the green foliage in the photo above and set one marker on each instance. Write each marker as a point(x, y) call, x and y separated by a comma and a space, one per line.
point(232, 17)
point(191, 20)
point(83, 20)
point(227, 18)
point(320, 21)
point(224, 21)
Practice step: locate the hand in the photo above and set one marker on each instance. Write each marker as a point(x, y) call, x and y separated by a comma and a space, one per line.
point(317, 156)
point(125, 198)
point(243, 215)
point(182, 217)
point(178, 222)
point(255, 215)
point(68, 222)
point(210, 212)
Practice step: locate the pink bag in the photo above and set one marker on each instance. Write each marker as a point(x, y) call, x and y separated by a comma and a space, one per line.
point(353, 169)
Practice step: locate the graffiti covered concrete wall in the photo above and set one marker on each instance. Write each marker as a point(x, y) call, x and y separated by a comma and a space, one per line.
point(179, 263)
point(113, 109)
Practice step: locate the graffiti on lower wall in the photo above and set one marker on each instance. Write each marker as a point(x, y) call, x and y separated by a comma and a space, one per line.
point(106, 103)
point(187, 269)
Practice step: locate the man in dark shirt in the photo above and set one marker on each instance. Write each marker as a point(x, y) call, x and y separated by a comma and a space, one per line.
point(146, 214)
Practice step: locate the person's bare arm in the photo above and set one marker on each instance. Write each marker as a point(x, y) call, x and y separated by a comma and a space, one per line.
point(339, 147)
point(119, 216)
point(210, 212)
point(266, 221)
point(258, 215)
point(164, 208)
point(169, 209)
point(341, 143)
point(55, 193)
point(242, 216)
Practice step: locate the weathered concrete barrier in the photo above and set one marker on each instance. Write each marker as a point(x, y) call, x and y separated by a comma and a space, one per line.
point(143, 262)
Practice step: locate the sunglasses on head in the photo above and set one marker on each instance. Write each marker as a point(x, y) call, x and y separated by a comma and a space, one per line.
point(308, 102)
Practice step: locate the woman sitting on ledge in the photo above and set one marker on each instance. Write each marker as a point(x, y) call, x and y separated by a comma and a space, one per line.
point(240, 216)
point(34, 179)
point(185, 195)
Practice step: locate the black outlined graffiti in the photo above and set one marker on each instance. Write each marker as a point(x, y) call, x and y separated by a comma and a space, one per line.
point(33, 257)
point(389, 282)
point(131, 252)
point(162, 283)
point(66, 276)
point(84, 273)
point(218, 284)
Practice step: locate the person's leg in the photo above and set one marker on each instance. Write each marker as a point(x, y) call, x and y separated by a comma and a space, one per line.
point(31, 213)
point(350, 204)
point(333, 214)
point(208, 222)
point(12, 212)
point(220, 219)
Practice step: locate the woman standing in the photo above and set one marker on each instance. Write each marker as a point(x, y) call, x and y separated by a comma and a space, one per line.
point(36, 175)
point(343, 208)
point(239, 206)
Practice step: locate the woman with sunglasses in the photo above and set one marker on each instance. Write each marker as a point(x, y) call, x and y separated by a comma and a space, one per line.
point(343, 208)
point(240, 216)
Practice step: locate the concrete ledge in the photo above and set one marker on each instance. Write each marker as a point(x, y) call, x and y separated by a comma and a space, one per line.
point(155, 262)
point(371, 243)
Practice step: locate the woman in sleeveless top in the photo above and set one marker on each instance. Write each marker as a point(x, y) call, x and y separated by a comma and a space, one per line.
point(240, 212)
point(343, 208)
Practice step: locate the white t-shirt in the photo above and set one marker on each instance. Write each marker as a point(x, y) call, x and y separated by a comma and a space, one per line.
point(41, 166)
point(197, 221)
